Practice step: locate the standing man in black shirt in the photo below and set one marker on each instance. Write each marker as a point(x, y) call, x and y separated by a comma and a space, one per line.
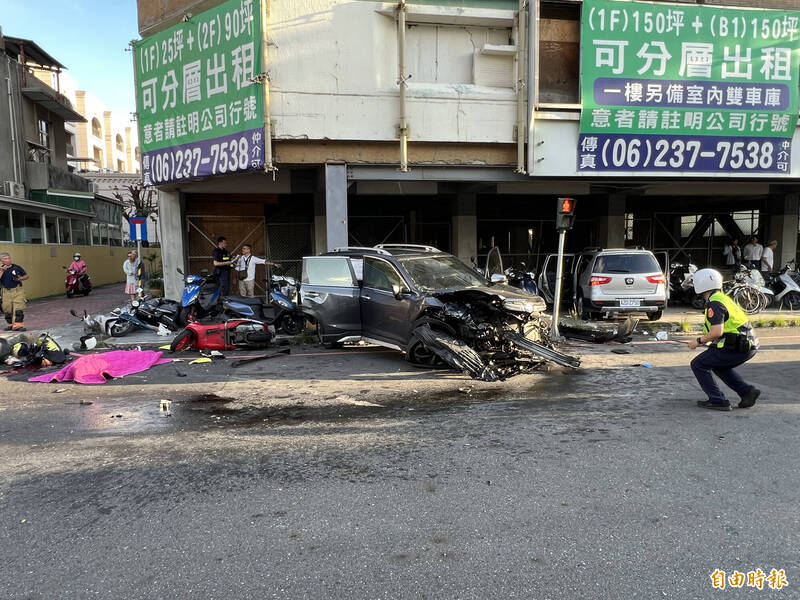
point(223, 263)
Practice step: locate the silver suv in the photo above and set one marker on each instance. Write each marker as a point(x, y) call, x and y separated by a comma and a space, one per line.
point(610, 282)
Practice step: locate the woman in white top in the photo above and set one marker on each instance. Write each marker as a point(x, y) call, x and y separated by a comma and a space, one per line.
point(246, 265)
point(130, 267)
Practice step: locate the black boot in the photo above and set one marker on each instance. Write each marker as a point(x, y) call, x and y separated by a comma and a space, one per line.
point(750, 397)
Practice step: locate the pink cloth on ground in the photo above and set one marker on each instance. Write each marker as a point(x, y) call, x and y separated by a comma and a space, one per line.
point(92, 368)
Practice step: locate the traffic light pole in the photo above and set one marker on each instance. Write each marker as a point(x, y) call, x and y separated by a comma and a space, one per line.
point(554, 333)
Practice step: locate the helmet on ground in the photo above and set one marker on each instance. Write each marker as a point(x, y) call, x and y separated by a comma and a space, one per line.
point(706, 280)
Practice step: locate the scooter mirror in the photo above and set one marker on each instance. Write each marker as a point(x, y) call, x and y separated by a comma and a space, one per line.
point(179, 270)
point(72, 312)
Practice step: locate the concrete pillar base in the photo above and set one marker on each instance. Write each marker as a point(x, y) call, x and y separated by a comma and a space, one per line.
point(465, 227)
point(335, 206)
point(611, 225)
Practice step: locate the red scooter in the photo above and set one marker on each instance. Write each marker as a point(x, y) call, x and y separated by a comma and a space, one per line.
point(77, 284)
point(228, 335)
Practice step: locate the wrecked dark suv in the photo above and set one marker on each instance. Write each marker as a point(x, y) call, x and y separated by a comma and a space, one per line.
point(430, 305)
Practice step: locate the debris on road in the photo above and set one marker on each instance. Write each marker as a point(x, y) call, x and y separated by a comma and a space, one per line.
point(244, 361)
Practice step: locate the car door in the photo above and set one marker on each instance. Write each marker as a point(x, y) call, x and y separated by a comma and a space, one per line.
point(329, 294)
point(385, 317)
point(547, 277)
point(494, 264)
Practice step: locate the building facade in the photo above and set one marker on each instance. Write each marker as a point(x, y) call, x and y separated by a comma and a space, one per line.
point(455, 124)
point(47, 210)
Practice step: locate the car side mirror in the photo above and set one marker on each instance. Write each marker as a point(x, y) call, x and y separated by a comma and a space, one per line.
point(499, 278)
point(400, 292)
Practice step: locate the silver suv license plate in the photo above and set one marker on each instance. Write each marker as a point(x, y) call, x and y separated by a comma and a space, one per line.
point(629, 302)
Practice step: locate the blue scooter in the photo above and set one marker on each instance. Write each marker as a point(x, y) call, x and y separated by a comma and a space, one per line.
point(285, 314)
point(201, 297)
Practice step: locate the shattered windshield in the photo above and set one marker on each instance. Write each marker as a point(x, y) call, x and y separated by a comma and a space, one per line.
point(431, 273)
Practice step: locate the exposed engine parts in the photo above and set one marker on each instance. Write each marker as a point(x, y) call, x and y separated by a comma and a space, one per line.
point(481, 335)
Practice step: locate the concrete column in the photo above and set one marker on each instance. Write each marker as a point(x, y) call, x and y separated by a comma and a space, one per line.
point(108, 136)
point(173, 242)
point(465, 227)
point(782, 226)
point(320, 228)
point(611, 224)
point(335, 205)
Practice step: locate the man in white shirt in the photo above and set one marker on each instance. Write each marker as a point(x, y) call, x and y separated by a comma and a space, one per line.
point(246, 266)
point(751, 253)
point(768, 257)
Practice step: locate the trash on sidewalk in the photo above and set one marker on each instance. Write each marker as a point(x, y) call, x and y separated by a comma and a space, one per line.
point(662, 336)
point(200, 361)
point(94, 368)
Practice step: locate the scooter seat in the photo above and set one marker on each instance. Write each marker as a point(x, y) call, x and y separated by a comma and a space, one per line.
point(245, 300)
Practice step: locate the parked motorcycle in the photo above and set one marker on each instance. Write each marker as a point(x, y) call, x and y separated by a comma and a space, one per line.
point(229, 335)
point(749, 290)
point(785, 287)
point(77, 284)
point(681, 283)
point(522, 278)
point(280, 309)
point(201, 297)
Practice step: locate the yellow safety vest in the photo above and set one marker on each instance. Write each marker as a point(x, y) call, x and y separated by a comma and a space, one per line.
point(737, 318)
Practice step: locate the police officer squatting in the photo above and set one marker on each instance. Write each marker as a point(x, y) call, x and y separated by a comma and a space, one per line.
point(731, 342)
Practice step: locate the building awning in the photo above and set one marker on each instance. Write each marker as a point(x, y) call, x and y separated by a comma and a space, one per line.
point(82, 201)
point(32, 52)
point(50, 100)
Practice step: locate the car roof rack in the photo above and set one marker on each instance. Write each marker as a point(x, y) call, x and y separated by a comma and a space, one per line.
point(360, 249)
point(417, 247)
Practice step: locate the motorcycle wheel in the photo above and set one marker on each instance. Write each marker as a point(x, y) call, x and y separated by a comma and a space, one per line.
point(792, 301)
point(697, 301)
point(121, 328)
point(70, 293)
point(292, 325)
point(86, 291)
point(186, 312)
point(185, 340)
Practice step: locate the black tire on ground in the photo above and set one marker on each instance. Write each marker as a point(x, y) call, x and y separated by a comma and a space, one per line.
point(580, 308)
point(697, 301)
point(655, 316)
point(185, 340)
point(328, 345)
point(70, 293)
point(292, 325)
point(86, 292)
point(419, 354)
point(121, 328)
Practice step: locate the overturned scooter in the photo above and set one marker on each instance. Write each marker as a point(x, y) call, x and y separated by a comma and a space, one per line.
point(228, 335)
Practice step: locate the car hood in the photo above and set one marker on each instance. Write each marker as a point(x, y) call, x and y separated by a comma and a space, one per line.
point(485, 292)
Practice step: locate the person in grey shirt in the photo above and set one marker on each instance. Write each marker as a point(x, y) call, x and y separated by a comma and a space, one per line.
point(246, 269)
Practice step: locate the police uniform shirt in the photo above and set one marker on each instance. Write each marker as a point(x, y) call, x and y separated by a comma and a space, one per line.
point(9, 277)
point(220, 255)
point(716, 313)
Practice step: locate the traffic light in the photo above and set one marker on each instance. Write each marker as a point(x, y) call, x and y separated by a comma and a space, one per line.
point(565, 214)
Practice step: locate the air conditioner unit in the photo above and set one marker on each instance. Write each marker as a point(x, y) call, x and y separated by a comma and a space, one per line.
point(13, 189)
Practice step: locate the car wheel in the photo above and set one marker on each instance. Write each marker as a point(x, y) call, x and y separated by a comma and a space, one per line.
point(321, 338)
point(655, 316)
point(419, 354)
point(580, 308)
point(185, 340)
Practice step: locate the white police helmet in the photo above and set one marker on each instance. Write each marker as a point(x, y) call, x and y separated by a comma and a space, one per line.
point(706, 280)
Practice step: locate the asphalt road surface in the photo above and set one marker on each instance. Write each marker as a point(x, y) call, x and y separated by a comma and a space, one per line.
point(352, 475)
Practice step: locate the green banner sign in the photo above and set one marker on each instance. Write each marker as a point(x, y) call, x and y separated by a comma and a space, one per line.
point(671, 87)
point(199, 104)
